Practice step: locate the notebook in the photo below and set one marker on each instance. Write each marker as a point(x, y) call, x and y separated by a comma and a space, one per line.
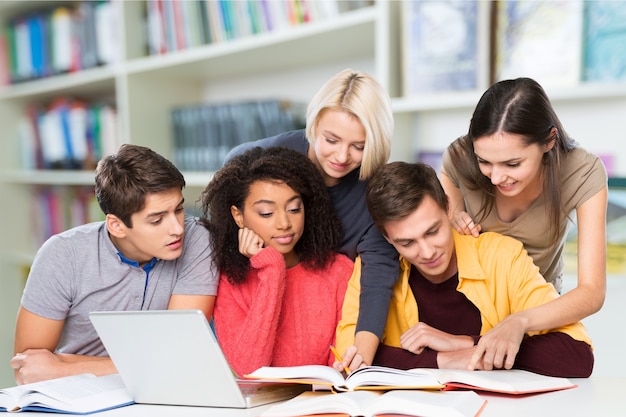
point(172, 357)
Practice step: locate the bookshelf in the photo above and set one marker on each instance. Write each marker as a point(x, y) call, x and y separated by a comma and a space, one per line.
point(290, 63)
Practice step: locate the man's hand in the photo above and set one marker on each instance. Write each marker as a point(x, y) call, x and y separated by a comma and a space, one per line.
point(456, 359)
point(498, 348)
point(422, 336)
point(34, 365)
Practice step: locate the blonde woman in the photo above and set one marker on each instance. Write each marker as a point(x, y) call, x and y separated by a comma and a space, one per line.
point(349, 126)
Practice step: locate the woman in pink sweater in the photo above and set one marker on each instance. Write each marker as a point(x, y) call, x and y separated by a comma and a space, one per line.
point(273, 235)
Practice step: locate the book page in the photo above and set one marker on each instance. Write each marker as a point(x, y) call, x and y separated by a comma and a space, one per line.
point(78, 393)
point(385, 378)
point(371, 403)
point(350, 403)
point(319, 374)
point(7, 398)
point(427, 403)
point(511, 381)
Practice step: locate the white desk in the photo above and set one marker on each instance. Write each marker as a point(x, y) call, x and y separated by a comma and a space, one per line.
point(594, 397)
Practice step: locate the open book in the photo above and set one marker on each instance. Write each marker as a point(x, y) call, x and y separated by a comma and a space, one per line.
point(77, 394)
point(366, 378)
point(513, 381)
point(376, 403)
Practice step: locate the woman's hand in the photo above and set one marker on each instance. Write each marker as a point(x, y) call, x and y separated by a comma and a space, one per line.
point(498, 348)
point(352, 360)
point(249, 242)
point(464, 224)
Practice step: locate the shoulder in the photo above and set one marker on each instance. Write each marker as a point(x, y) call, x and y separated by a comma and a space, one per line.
point(342, 262)
point(490, 251)
point(448, 167)
point(197, 238)
point(194, 227)
point(295, 139)
point(83, 238)
point(487, 243)
point(497, 240)
point(579, 161)
point(582, 175)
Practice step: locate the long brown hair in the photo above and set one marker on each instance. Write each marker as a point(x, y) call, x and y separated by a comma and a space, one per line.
point(521, 107)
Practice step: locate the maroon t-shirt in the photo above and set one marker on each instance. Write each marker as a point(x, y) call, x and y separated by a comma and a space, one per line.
point(443, 307)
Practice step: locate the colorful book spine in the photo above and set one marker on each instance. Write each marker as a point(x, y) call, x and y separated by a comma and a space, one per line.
point(192, 23)
point(66, 37)
point(59, 208)
point(67, 134)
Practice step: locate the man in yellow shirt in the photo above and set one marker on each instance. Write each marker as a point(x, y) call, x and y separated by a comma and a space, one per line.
point(453, 288)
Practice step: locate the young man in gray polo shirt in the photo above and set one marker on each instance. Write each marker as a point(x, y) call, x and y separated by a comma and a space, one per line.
point(146, 255)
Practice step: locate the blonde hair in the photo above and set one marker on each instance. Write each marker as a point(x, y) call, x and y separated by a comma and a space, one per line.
point(363, 97)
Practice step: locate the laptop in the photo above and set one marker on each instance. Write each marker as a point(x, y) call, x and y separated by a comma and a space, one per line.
point(172, 357)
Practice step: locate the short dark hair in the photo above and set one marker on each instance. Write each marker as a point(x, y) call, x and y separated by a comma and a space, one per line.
point(123, 180)
point(230, 186)
point(398, 188)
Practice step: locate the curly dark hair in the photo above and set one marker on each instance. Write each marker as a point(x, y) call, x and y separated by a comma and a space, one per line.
point(230, 186)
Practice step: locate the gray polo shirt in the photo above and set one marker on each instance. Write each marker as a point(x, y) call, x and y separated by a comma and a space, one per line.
point(79, 271)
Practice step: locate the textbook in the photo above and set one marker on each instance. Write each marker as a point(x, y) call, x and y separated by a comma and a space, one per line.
point(77, 394)
point(377, 403)
point(511, 381)
point(366, 378)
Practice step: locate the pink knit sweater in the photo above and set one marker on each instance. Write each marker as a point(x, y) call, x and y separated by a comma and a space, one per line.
point(279, 316)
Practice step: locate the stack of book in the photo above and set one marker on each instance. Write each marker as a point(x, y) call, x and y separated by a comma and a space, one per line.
point(59, 208)
point(204, 133)
point(58, 39)
point(377, 391)
point(176, 25)
point(67, 134)
point(77, 394)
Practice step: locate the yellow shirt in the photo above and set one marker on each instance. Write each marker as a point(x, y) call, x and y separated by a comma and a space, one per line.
point(498, 282)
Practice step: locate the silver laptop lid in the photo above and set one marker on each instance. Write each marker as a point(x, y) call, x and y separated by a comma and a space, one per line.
point(168, 357)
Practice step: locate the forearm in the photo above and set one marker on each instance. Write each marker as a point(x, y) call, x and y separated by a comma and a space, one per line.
point(247, 337)
point(97, 365)
point(366, 343)
point(555, 354)
point(35, 365)
point(246, 317)
point(379, 272)
point(571, 307)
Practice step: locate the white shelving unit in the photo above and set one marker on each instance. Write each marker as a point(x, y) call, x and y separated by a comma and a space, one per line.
point(288, 64)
